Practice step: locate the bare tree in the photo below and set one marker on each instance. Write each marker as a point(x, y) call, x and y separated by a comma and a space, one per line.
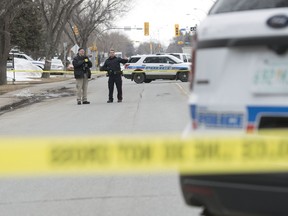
point(115, 40)
point(174, 48)
point(149, 48)
point(95, 15)
point(56, 14)
point(9, 10)
point(179, 42)
point(69, 40)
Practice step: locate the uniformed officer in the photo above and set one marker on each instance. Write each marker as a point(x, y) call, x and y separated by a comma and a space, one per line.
point(112, 66)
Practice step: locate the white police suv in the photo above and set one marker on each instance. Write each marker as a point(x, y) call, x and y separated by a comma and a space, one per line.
point(145, 68)
point(240, 67)
point(239, 82)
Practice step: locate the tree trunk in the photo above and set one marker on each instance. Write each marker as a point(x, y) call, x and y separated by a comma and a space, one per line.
point(3, 75)
point(55, 18)
point(4, 48)
point(9, 8)
point(47, 67)
point(84, 44)
point(49, 49)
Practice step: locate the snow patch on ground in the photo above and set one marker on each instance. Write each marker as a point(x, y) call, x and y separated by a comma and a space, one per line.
point(24, 93)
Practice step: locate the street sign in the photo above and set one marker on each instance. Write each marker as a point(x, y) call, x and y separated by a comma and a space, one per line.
point(75, 48)
point(10, 61)
point(194, 28)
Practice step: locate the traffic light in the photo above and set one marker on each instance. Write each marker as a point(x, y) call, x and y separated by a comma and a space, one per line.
point(146, 28)
point(75, 30)
point(177, 31)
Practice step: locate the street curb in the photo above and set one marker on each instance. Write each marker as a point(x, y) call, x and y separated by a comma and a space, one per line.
point(16, 102)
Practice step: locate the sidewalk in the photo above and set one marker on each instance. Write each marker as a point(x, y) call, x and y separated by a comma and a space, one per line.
point(35, 93)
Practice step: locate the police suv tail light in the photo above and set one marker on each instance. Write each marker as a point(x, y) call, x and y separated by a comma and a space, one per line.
point(250, 128)
point(194, 125)
point(126, 66)
point(193, 60)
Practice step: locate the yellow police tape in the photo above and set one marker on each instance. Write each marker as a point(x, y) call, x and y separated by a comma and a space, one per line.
point(56, 71)
point(80, 155)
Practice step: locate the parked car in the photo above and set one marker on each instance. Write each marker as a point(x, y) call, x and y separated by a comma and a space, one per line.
point(39, 64)
point(239, 80)
point(25, 70)
point(57, 65)
point(145, 68)
point(185, 57)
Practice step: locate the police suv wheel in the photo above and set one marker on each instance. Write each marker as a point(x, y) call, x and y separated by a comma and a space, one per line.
point(139, 78)
point(183, 76)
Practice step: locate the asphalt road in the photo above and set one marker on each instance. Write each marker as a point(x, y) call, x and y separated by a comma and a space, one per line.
point(159, 107)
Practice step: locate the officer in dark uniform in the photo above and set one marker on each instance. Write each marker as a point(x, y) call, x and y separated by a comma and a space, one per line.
point(112, 66)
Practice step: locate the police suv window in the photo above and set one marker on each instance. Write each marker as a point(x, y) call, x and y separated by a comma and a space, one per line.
point(151, 60)
point(170, 61)
point(225, 6)
point(177, 56)
point(133, 60)
point(163, 60)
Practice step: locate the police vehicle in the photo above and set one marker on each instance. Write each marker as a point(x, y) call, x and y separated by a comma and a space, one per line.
point(239, 83)
point(145, 68)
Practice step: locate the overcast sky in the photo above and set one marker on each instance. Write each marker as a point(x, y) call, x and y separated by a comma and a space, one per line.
point(162, 15)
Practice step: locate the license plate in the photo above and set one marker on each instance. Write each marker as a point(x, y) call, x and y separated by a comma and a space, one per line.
point(271, 78)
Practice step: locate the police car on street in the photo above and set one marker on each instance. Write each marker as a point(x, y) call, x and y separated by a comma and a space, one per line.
point(239, 83)
point(145, 68)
